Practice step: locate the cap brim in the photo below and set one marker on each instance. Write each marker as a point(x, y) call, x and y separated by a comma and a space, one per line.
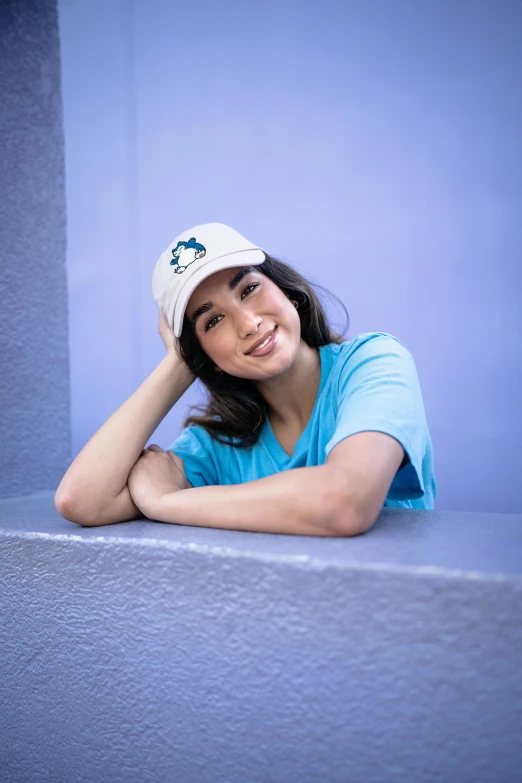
point(252, 257)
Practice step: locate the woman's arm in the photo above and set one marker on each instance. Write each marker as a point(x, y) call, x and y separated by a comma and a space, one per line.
point(302, 501)
point(94, 489)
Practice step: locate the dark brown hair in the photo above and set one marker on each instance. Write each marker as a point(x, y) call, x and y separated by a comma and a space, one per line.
point(235, 408)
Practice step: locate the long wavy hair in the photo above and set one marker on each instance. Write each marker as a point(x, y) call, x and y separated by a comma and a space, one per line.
point(235, 408)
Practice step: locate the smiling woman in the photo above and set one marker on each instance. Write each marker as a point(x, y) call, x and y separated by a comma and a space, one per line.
point(303, 432)
point(227, 317)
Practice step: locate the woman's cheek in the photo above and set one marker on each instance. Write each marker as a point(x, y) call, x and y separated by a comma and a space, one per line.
point(221, 345)
point(272, 303)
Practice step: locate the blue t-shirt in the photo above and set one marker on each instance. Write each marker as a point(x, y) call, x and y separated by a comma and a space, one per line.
point(368, 383)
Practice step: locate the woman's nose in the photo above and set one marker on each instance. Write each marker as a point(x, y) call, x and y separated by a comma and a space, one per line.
point(249, 323)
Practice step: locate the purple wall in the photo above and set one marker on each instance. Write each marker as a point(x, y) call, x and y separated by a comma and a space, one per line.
point(376, 146)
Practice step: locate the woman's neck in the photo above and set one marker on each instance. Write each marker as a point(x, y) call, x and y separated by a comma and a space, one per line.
point(291, 396)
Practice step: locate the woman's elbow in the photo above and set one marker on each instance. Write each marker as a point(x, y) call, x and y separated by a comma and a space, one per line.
point(70, 510)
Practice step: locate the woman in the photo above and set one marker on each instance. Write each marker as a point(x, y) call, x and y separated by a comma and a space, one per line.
point(304, 433)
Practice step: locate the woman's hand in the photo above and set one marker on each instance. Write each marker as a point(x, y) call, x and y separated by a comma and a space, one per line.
point(170, 342)
point(156, 473)
point(165, 332)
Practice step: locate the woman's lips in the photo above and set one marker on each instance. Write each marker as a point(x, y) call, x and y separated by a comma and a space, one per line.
point(268, 347)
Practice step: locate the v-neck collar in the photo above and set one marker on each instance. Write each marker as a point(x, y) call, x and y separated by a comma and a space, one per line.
point(274, 447)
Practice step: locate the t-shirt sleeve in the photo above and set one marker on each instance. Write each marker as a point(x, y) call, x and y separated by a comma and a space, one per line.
point(195, 449)
point(379, 390)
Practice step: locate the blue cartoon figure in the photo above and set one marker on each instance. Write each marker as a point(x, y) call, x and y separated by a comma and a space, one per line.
point(185, 253)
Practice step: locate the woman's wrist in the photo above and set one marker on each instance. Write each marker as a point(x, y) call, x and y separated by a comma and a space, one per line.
point(178, 365)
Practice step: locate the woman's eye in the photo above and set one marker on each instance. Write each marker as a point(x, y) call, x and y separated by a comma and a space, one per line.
point(245, 290)
point(252, 285)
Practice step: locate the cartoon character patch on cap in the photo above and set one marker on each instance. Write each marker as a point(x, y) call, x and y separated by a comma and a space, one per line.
point(185, 253)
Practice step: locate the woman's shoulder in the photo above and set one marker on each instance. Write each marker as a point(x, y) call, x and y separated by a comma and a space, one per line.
point(364, 347)
point(192, 438)
point(365, 344)
point(198, 438)
point(376, 338)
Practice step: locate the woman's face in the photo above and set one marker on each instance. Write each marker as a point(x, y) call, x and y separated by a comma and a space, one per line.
point(241, 306)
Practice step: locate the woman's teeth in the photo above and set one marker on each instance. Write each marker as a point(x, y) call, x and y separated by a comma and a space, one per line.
point(266, 342)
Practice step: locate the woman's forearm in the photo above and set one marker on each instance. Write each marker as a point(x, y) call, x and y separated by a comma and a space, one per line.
point(302, 501)
point(100, 471)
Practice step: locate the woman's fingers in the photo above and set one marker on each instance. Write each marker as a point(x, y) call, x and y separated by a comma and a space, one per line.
point(165, 332)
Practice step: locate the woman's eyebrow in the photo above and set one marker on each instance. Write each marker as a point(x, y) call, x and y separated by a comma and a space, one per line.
point(232, 284)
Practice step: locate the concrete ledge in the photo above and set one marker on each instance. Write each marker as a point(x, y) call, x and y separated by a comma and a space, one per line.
point(145, 651)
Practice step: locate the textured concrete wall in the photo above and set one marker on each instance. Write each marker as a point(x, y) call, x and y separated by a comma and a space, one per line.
point(153, 652)
point(34, 375)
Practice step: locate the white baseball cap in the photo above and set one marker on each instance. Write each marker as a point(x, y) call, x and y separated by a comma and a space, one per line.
point(191, 257)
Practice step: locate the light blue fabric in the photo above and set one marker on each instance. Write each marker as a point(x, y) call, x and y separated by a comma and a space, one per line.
point(368, 383)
